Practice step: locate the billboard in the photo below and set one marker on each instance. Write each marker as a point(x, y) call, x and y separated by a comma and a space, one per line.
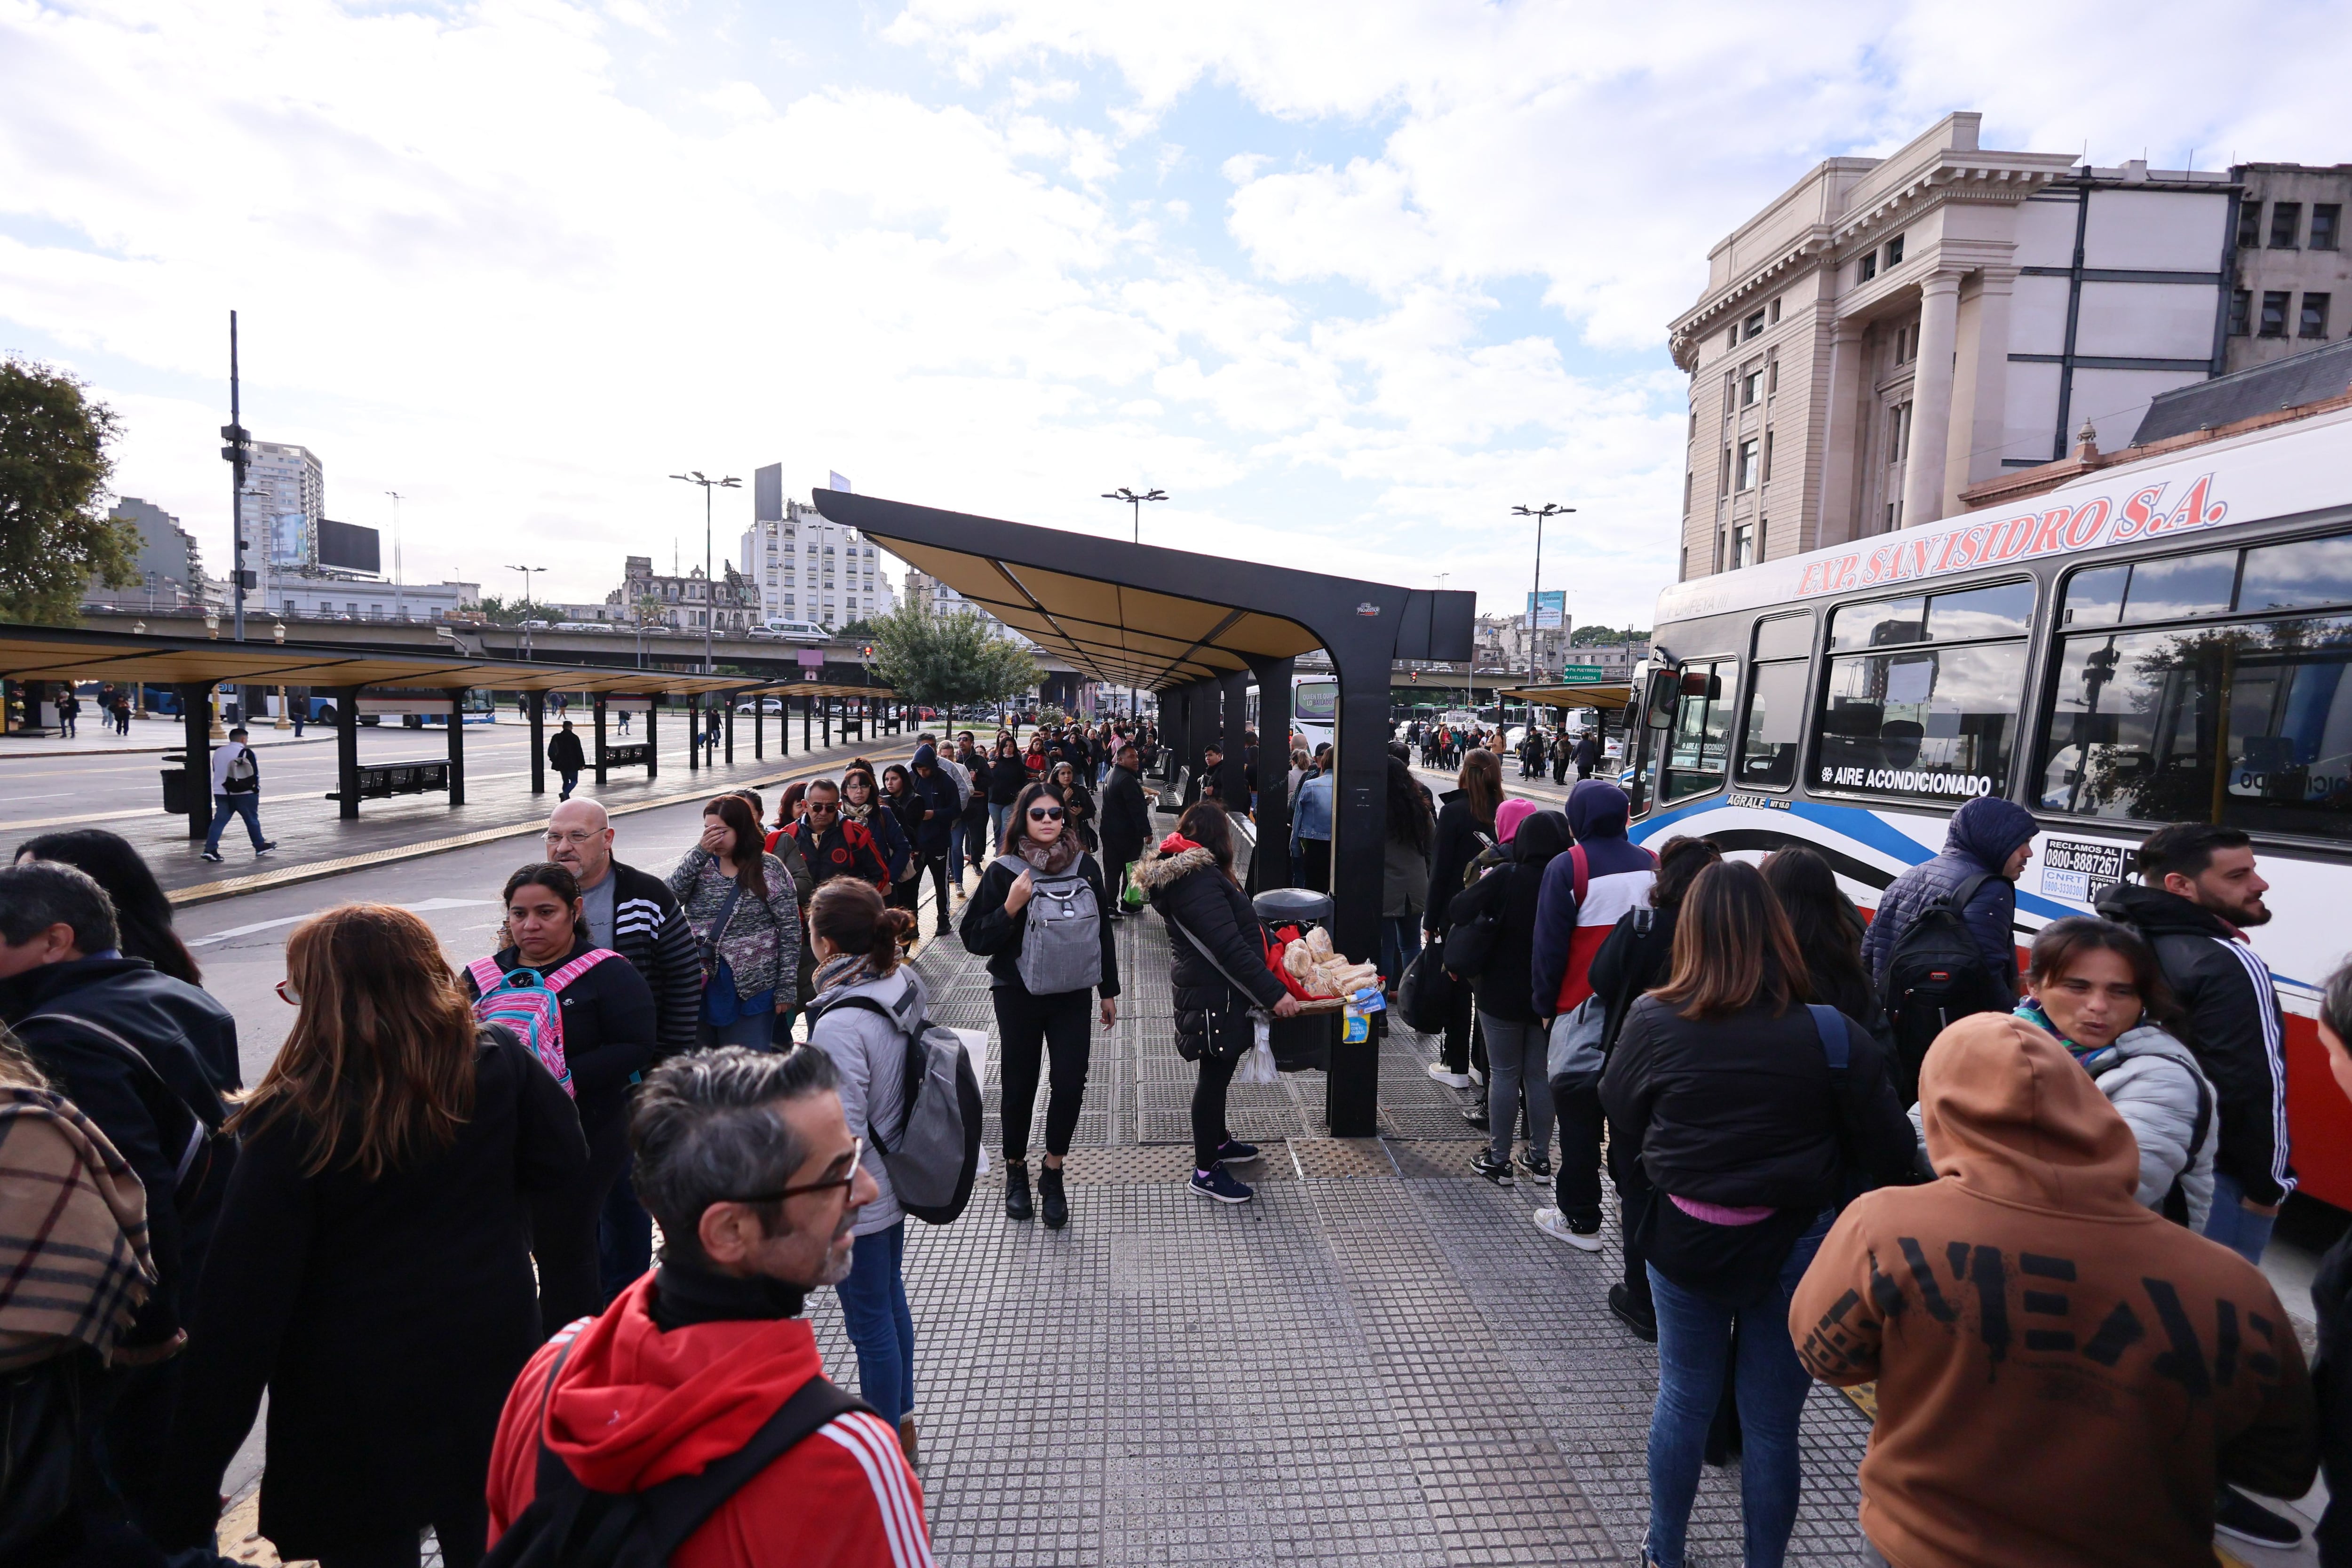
point(350, 547)
point(1549, 609)
point(768, 493)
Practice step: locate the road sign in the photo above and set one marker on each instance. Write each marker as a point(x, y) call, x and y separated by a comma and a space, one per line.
point(1583, 675)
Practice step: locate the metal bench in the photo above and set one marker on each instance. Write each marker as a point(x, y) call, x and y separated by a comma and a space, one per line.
point(630, 755)
point(381, 780)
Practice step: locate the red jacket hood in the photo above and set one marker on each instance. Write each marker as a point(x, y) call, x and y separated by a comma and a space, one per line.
point(634, 1407)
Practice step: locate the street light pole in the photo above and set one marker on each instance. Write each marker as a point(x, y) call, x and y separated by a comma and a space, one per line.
point(399, 605)
point(1135, 498)
point(1535, 599)
point(526, 572)
point(709, 587)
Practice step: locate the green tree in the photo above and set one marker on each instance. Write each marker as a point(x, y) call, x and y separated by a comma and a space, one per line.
point(500, 613)
point(54, 537)
point(949, 661)
point(1604, 636)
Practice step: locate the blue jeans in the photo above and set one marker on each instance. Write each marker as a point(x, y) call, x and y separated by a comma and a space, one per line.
point(874, 1309)
point(754, 1027)
point(1694, 1348)
point(1400, 945)
point(571, 777)
point(625, 1239)
point(246, 806)
point(998, 815)
point(2235, 1226)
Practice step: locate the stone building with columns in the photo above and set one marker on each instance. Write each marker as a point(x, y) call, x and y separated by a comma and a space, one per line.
point(1891, 331)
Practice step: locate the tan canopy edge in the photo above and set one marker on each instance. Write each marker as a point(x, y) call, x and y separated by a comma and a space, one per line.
point(49, 653)
point(1611, 695)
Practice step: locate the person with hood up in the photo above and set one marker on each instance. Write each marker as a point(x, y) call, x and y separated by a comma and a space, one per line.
point(2063, 1378)
point(1585, 893)
point(857, 946)
point(747, 1159)
point(1217, 975)
point(1514, 1037)
point(1989, 840)
point(1466, 829)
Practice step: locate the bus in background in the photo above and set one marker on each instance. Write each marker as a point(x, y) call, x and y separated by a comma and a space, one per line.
point(417, 706)
point(1313, 709)
point(2162, 640)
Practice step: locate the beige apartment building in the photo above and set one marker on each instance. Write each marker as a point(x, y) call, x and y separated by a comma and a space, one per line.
point(2292, 277)
point(1889, 332)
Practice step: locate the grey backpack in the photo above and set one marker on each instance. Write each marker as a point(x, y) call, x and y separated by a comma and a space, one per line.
point(1061, 942)
point(934, 1155)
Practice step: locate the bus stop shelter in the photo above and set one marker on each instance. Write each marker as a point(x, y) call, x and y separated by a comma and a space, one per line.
point(1198, 631)
point(193, 665)
point(874, 710)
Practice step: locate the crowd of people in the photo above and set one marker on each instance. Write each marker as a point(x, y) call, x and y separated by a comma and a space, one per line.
point(1444, 744)
point(2027, 1203)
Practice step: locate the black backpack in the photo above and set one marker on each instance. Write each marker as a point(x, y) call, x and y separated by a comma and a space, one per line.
point(568, 1526)
point(1936, 975)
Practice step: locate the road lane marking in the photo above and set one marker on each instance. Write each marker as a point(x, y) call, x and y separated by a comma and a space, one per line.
point(89, 816)
point(424, 907)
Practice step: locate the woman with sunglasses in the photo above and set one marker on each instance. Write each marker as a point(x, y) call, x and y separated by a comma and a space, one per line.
point(858, 942)
point(607, 1036)
point(1041, 883)
point(375, 1274)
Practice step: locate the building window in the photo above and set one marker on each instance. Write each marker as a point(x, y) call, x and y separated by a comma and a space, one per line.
point(1755, 327)
point(2326, 223)
point(2286, 219)
point(1724, 487)
point(1891, 507)
point(2242, 312)
point(1688, 479)
point(1768, 456)
point(2313, 321)
point(1869, 267)
point(1746, 475)
point(1743, 546)
point(1898, 433)
point(1895, 252)
point(1728, 381)
point(2274, 313)
point(1693, 429)
point(1775, 306)
point(2250, 225)
point(1772, 374)
point(1751, 388)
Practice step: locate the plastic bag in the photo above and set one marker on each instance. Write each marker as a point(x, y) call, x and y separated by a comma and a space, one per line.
point(1256, 1065)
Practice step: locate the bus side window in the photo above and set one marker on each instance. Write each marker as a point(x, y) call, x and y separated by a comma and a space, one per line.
point(1773, 727)
point(1696, 745)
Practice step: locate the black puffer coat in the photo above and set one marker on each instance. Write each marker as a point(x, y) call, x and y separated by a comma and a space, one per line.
point(1188, 889)
point(1505, 988)
point(1461, 834)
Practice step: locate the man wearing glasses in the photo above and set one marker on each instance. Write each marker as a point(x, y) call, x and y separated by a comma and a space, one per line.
point(748, 1161)
point(833, 848)
point(636, 916)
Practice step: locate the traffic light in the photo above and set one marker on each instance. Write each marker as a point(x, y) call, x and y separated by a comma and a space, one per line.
point(239, 447)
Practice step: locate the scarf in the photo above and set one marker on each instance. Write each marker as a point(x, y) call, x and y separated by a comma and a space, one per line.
point(1176, 844)
point(74, 1263)
point(856, 813)
point(2030, 1011)
point(1050, 859)
point(845, 969)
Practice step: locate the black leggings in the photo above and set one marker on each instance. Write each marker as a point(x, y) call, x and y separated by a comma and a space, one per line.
point(563, 1227)
point(1027, 1028)
point(1209, 1130)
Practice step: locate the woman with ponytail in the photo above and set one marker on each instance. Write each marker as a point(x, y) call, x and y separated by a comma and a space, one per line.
point(857, 941)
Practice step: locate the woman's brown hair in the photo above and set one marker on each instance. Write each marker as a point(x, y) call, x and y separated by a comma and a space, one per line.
point(1733, 948)
point(380, 1062)
point(1481, 779)
point(751, 864)
point(1679, 864)
point(786, 801)
point(849, 915)
point(1016, 825)
point(1204, 822)
point(555, 879)
point(2060, 944)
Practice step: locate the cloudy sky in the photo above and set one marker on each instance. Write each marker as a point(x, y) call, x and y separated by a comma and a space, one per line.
point(1348, 280)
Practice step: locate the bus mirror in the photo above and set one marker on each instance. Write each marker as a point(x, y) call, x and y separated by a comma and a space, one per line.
point(1658, 701)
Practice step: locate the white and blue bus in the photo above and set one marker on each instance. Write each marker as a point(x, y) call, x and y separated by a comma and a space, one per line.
point(2163, 640)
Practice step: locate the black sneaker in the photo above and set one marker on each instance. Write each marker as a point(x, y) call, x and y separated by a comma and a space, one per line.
point(1218, 1183)
point(2235, 1513)
point(1233, 1152)
point(1495, 1170)
point(1536, 1164)
point(1475, 1115)
point(1016, 1192)
point(1629, 1312)
point(1052, 1206)
point(214, 856)
point(261, 850)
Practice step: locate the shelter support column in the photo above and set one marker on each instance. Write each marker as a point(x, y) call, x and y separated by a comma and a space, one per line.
point(1270, 868)
point(694, 722)
point(534, 707)
point(599, 701)
point(457, 747)
point(653, 740)
point(196, 735)
point(729, 723)
point(1232, 781)
point(759, 727)
point(347, 753)
point(1358, 821)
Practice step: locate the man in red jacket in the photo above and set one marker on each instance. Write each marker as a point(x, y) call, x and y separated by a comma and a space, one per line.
point(747, 1161)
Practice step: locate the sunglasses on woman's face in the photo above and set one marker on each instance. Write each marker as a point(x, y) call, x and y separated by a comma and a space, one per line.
point(1045, 813)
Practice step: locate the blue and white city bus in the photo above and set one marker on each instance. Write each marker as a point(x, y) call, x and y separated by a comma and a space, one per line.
point(2163, 640)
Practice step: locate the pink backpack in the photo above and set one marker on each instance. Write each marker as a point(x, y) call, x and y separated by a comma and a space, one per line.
point(530, 1006)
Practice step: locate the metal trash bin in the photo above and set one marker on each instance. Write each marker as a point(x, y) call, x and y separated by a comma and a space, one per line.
point(1304, 1042)
point(177, 801)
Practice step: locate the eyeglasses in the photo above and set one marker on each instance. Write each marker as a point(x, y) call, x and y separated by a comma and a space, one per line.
point(579, 838)
point(287, 994)
point(857, 1151)
point(823, 808)
point(1045, 813)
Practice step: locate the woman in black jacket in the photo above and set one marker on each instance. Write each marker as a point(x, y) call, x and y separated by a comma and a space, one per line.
point(608, 1039)
point(995, 923)
point(372, 1268)
point(1466, 827)
point(1516, 1037)
point(1217, 975)
point(1635, 957)
point(1079, 801)
point(1723, 1085)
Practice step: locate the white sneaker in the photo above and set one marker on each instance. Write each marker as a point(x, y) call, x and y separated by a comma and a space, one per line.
point(1554, 1223)
point(1450, 1079)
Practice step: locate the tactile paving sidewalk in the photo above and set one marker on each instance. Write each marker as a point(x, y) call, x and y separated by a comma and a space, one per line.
point(1379, 1360)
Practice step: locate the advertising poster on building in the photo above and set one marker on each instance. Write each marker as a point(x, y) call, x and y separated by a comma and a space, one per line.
point(1549, 609)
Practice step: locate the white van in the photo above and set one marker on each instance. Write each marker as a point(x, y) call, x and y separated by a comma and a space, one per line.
point(792, 631)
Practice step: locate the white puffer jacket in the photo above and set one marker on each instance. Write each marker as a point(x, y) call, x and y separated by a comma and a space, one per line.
point(2155, 1084)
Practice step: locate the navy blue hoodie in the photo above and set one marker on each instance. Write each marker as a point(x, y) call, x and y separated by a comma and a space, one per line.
point(1982, 837)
